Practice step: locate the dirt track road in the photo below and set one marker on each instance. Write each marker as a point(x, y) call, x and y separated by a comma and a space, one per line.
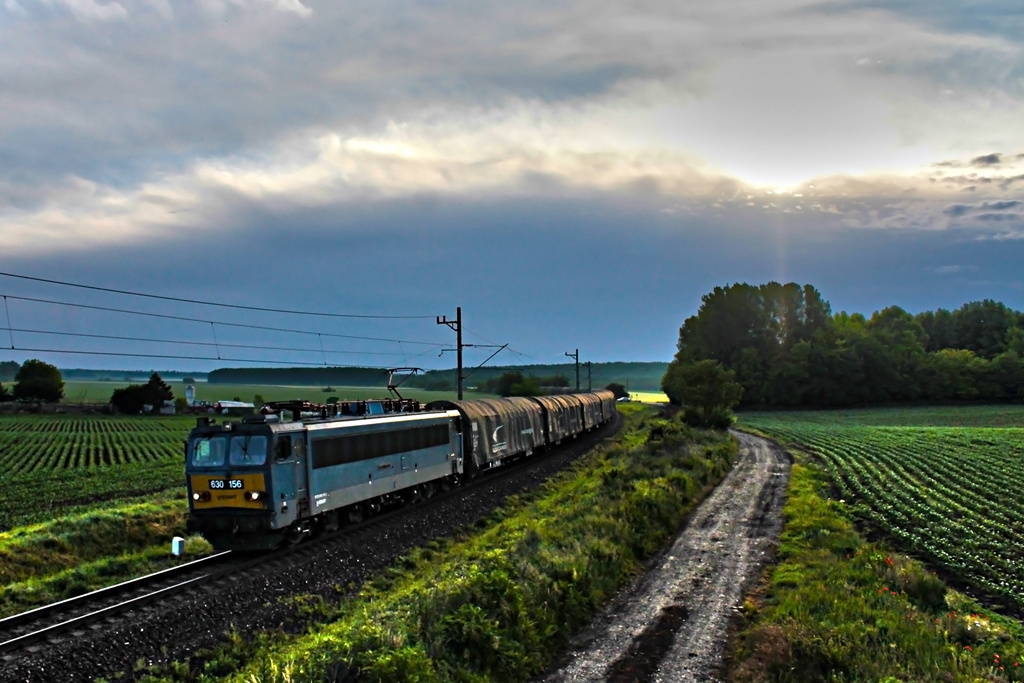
point(672, 625)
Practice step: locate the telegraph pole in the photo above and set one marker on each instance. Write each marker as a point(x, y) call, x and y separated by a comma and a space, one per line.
point(588, 376)
point(457, 326)
point(576, 357)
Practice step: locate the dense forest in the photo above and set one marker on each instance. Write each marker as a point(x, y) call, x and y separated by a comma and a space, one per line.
point(788, 349)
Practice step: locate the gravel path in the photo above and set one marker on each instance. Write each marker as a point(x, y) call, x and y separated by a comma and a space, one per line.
point(671, 626)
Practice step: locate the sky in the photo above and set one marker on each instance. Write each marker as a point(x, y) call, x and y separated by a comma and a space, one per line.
point(573, 175)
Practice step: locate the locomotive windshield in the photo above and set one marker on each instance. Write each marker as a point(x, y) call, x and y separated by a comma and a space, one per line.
point(240, 450)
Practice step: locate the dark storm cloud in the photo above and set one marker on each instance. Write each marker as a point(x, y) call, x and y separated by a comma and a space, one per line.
point(543, 276)
point(1000, 217)
point(987, 160)
point(958, 210)
point(155, 89)
point(1002, 206)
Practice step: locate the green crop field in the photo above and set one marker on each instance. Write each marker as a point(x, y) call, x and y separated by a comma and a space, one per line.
point(943, 482)
point(99, 392)
point(55, 464)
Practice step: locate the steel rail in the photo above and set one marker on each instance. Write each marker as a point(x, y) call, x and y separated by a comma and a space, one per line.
point(11, 623)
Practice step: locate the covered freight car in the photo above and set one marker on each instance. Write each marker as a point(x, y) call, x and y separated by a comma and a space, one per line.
point(495, 430)
point(562, 417)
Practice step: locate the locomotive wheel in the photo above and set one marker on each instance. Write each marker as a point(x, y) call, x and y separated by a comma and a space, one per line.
point(355, 514)
point(414, 496)
point(294, 535)
point(332, 521)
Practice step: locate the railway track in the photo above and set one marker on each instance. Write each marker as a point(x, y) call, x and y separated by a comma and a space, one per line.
point(29, 633)
point(28, 628)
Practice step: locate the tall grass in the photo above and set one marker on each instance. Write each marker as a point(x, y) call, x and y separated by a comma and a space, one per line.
point(51, 561)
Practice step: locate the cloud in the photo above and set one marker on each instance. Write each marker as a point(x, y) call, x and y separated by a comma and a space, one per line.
point(1002, 206)
point(999, 217)
point(90, 10)
point(987, 160)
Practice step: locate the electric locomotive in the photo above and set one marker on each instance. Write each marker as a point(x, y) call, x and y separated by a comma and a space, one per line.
point(262, 481)
point(267, 480)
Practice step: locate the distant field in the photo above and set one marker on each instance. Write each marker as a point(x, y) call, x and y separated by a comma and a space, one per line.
point(55, 464)
point(944, 483)
point(99, 392)
point(648, 396)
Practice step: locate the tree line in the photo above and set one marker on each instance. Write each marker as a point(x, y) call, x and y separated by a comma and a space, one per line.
point(352, 377)
point(785, 348)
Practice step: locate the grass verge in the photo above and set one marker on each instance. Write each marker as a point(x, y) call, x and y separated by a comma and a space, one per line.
point(499, 604)
point(837, 608)
point(48, 562)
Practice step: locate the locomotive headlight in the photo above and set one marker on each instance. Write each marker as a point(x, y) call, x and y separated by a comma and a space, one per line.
point(195, 496)
point(253, 495)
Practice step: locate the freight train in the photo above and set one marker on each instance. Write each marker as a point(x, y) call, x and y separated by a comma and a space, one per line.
point(297, 468)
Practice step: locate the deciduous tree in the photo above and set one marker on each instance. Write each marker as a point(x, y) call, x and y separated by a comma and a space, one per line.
point(38, 381)
point(706, 391)
point(133, 398)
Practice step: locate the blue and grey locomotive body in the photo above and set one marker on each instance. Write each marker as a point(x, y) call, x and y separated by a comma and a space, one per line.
point(263, 480)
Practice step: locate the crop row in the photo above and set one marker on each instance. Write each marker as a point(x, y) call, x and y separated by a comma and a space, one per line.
point(948, 494)
point(55, 464)
point(38, 445)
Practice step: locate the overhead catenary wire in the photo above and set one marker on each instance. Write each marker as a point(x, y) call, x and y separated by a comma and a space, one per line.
point(215, 303)
point(216, 344)
point(165, 356)
point(166, 316)
point(494, 343)
point(186, 342)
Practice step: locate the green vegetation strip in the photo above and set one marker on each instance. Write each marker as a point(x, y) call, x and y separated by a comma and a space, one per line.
point(836, 608)
point(947, 494)
point(498, 605)
point(49, 562)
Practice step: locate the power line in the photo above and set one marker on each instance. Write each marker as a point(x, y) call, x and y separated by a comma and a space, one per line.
point(212, 322)
point(505, 346)
point(176, 357)
point(213, 303)
point(197, 343)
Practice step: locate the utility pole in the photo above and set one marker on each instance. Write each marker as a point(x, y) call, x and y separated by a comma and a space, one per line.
point(457, 326)
point(588, 376)
point(576, 357)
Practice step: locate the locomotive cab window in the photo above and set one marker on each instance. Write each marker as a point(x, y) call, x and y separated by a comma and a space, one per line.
point(248, 450)
point(208, 452)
